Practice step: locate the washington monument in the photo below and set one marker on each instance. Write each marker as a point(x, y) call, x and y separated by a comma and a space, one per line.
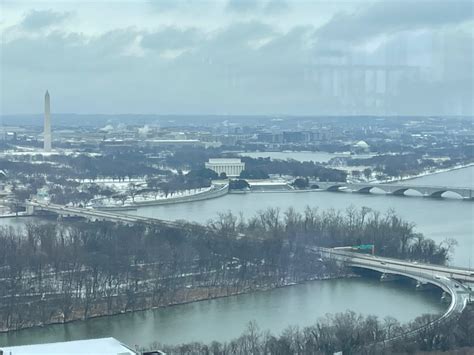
point(47, 123)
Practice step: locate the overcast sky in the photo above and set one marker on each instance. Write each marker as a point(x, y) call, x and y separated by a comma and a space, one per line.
point(238, 56)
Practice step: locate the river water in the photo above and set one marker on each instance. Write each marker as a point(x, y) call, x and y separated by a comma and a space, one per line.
point(225, 318)
point(436, 219)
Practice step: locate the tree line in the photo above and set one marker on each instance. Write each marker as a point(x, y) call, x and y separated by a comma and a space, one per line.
point(57, 272)
point(261, 168)
point(76, 270)
point(395, 165)
point(348, 333)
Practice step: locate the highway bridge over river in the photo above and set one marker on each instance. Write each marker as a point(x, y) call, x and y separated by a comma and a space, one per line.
point(399, 267)
point(458, 283)
point(34, 207)
point(466, 193)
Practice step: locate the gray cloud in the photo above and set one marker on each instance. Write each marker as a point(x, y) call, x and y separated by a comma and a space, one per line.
point(240, 33)
point(246, 67)
point(40, 19)
point(242, 6)
point(166, 5)
point(390, 16)
point(277, 6)
point(171, 38)
point(60, 52)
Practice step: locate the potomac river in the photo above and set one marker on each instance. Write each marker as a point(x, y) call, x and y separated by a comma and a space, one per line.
point(301, 305)
point(450, 218)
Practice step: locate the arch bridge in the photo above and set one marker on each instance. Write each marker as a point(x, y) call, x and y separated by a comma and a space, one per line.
point(466, 193)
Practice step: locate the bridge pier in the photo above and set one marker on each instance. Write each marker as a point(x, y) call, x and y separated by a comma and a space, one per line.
point(30, 209)
point(445, 297)
point(389, 277)
point(364, 190)
point(400, 192)
point(424, 286)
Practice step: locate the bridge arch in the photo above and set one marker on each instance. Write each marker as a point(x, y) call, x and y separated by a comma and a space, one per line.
point(440, 194)
point(336, 187)
point(399, 189)
point(365, 190)
point(372, 189)
point(402, 191)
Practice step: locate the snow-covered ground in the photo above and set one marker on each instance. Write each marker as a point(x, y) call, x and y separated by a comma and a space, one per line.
point(269, 182)
point(117, 185)
point(373, 179)
point(103, 346)
point(147, 197)
point(25, 151)
point(424, 173)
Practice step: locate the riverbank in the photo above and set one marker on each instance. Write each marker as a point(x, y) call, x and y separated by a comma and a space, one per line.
point(15, 215)
point(212, 192)
point(425, 173)
point(186, 296)
point(273, 310)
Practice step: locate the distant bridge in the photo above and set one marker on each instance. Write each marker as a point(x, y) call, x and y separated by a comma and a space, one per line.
point(35, 207)
point(401, 267)
point(457, 282)
point(465, 193)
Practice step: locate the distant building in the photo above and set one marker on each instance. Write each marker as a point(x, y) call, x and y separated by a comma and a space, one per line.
point(362, 146)
point(7, 136)
point(293, 137)
point(268, 137)
point(172, 142)
point(103, 346)
point(231, 167)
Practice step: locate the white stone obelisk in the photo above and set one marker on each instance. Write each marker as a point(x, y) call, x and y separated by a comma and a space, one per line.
point(47, 123)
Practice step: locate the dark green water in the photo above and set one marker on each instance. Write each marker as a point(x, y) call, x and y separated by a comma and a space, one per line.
point(225, 318)
point(301, 305)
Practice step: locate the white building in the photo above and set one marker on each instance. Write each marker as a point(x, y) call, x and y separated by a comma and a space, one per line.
point(231, 167)
point(362, 145)
point(102, 346)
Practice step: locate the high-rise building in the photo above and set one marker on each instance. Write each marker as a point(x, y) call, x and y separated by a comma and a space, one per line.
point(47, 123)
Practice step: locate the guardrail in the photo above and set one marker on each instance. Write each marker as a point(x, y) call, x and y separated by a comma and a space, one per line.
point(459, 294)
point(461, 274)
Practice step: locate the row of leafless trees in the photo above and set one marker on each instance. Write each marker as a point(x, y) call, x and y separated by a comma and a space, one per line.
point(391, 235)
point(56, 272)
point(343, 332)
point(60, 272)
